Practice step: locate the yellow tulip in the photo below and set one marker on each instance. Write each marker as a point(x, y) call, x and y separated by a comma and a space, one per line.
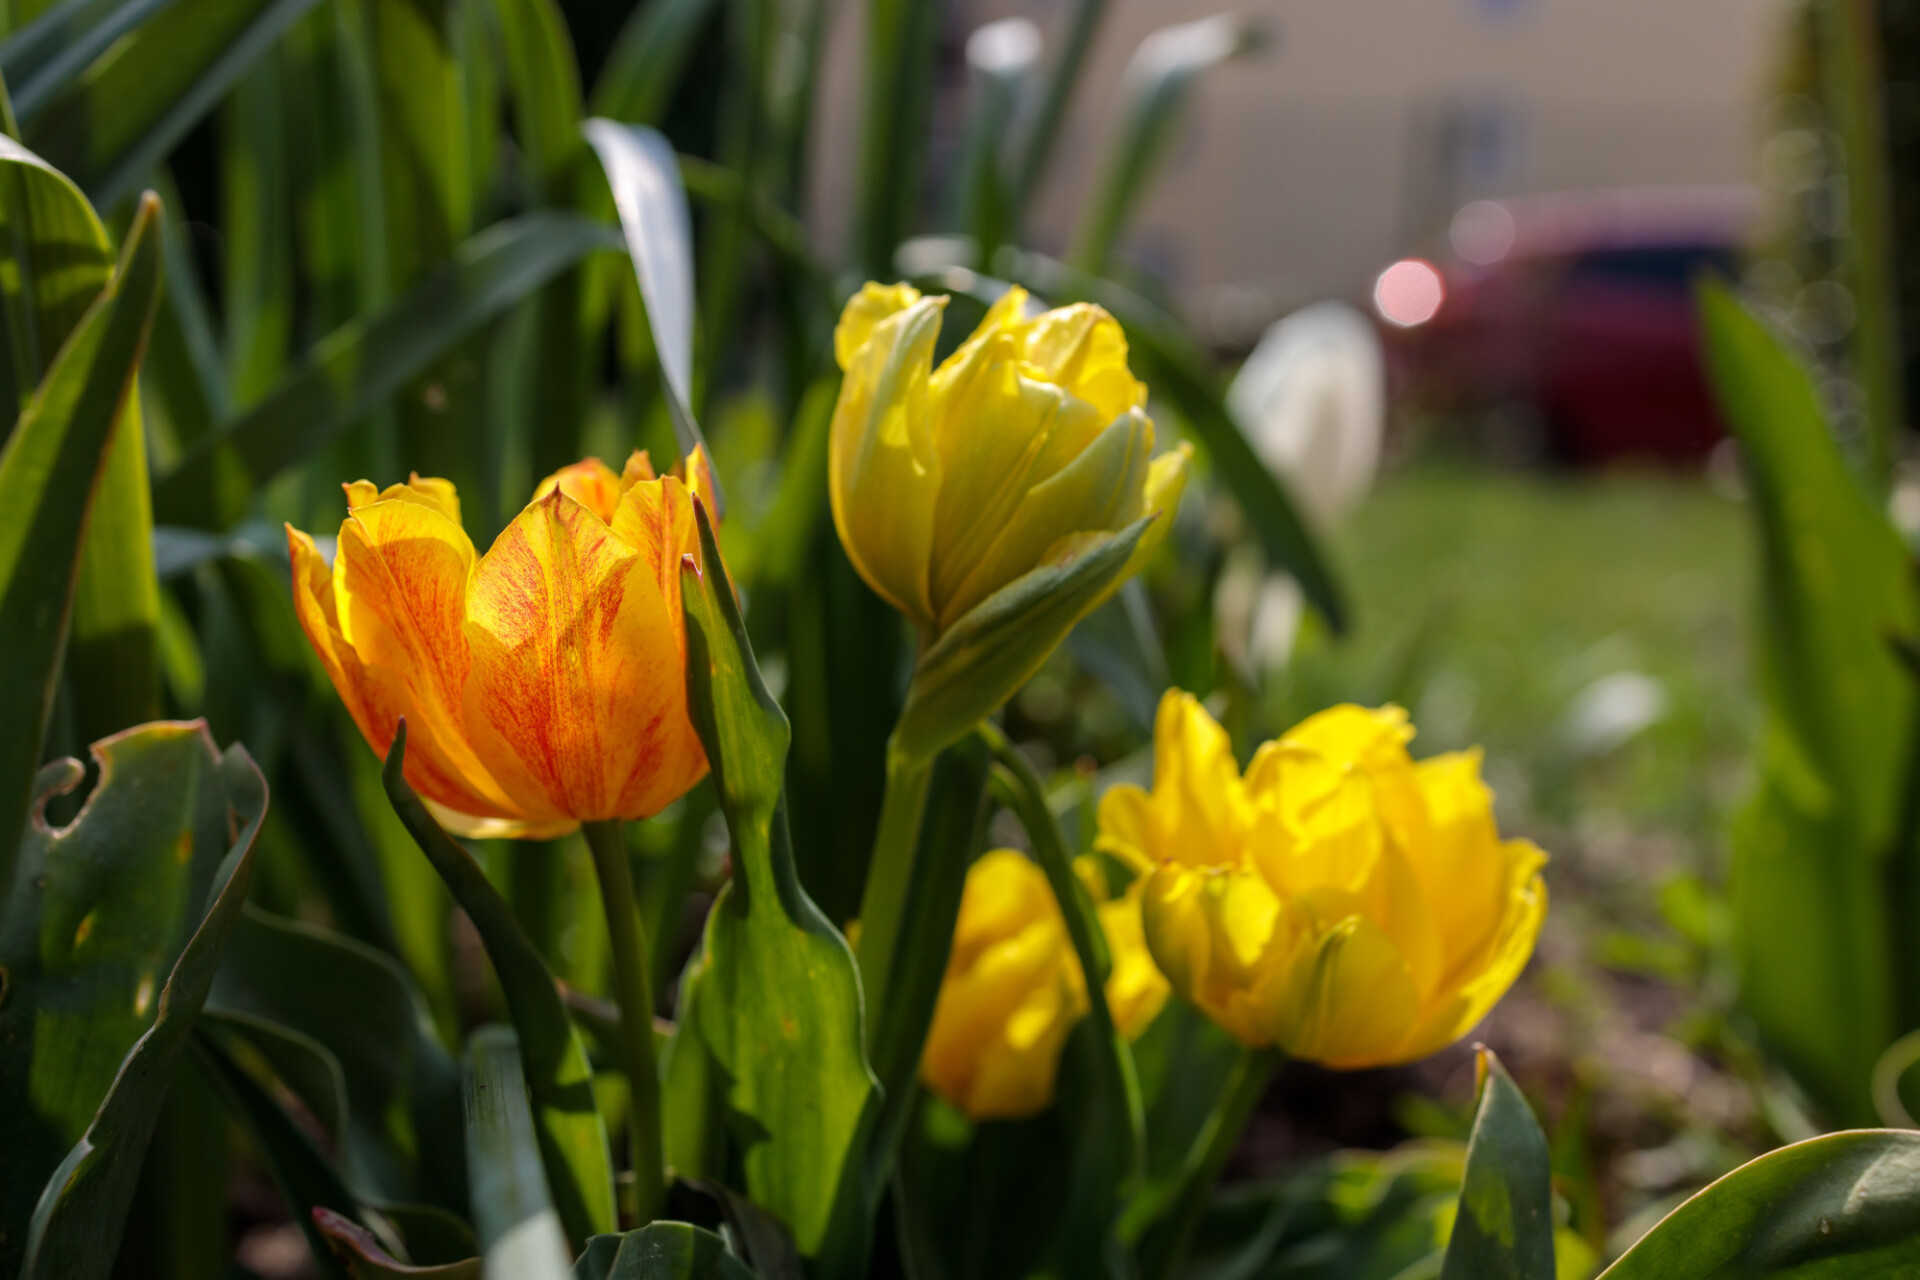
point(1341, 901)
point(1014, 989)
point(543, 683)
point(951, 484)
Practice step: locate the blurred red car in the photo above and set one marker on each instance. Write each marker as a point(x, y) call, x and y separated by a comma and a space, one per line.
point(1576, 308)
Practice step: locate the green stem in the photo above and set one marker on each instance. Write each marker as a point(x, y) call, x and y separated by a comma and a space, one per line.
point(884, 903)
point(1174, 1223)
point(633, 991)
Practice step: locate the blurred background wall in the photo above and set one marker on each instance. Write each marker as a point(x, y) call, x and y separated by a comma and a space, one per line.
point(1360, 128)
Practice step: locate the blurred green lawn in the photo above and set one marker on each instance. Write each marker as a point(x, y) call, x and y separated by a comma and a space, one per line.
point(1535, 614)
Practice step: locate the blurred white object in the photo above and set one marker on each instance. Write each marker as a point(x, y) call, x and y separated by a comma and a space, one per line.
point(1009, 47)
point(1312, 400)
point(1612, 710)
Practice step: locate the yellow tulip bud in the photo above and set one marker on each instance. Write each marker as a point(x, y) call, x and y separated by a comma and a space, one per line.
point(949, 485)
point(543, 683)
point(1014, 989)
point(1341, 901)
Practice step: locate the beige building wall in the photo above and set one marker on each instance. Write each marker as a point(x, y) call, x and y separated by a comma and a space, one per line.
point(1351, 138)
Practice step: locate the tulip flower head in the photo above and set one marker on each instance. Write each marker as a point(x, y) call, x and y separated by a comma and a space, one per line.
point(1028, 442)
point(543, 683)
point(1014, 989)
point(1341, 901)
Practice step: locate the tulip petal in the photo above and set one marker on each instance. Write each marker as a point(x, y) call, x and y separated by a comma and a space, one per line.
point(589, 482)
point(883, 474)
point(997, 434)
point(1126, 827)
point(399, 589)
point(1200, 805)
point(578, 696)
point(863, 313)
point(1512, 947)
point(1100, 490)
point(1083, 350)
point(1136, 990)
point(1347, 1000)
point(655, 518)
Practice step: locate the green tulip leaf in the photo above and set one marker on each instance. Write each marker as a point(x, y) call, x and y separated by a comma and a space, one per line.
point(1504, 1230)
point(645, 63)
point(60, 260)
point(572, 1134)
point(119, 116)
point(984, 657)
point(50, 472)
point(401, 1087)
point(355, 368)
point(773, 992)
point(644, 176)
point(1809, 875)
point(111, 933)
point(520, 1232)
point(1845, 1205)
point(660, 1251)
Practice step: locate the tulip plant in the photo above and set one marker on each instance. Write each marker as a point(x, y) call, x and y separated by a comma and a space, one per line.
point(835, 992)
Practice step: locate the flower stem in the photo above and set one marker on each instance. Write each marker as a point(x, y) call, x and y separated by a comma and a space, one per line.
point(633, 991)
point(1164, 1253)
point(883, 905)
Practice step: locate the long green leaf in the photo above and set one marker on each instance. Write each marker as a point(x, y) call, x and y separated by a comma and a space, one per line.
point(59, 258)
point(49, 473)
point(112, 931)
point(572, 1137)
point(901, 40)
point(401, 1087)
point(1158, 81)
point(301, 1172)
point(645, 63)
point(773, 991)
point(1841, 1207)
point(51, 50)
point(1110, 1152)
point(1504, 1230)
point(358, 365)
point(644, 176)
point(111, 124)
point(1811, 932)
point(519, 1230)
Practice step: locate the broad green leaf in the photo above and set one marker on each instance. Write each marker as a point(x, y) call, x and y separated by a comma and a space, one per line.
point(1063, 77)
point(1841, 1207)
point(113, 122)
point(773, 990)
point(113, 927)
point(645, 180)
point(1158, 81)
point(758, 1238)
point(520, 1232)
point(356, 1249)
point(983, 659)
point(49, 473)
point(660, 1251)
point(1504, 1230)
point(356, 367)
point(647, 58)
point(572, 1137)
point(401, 1087)
point(1810, 920)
